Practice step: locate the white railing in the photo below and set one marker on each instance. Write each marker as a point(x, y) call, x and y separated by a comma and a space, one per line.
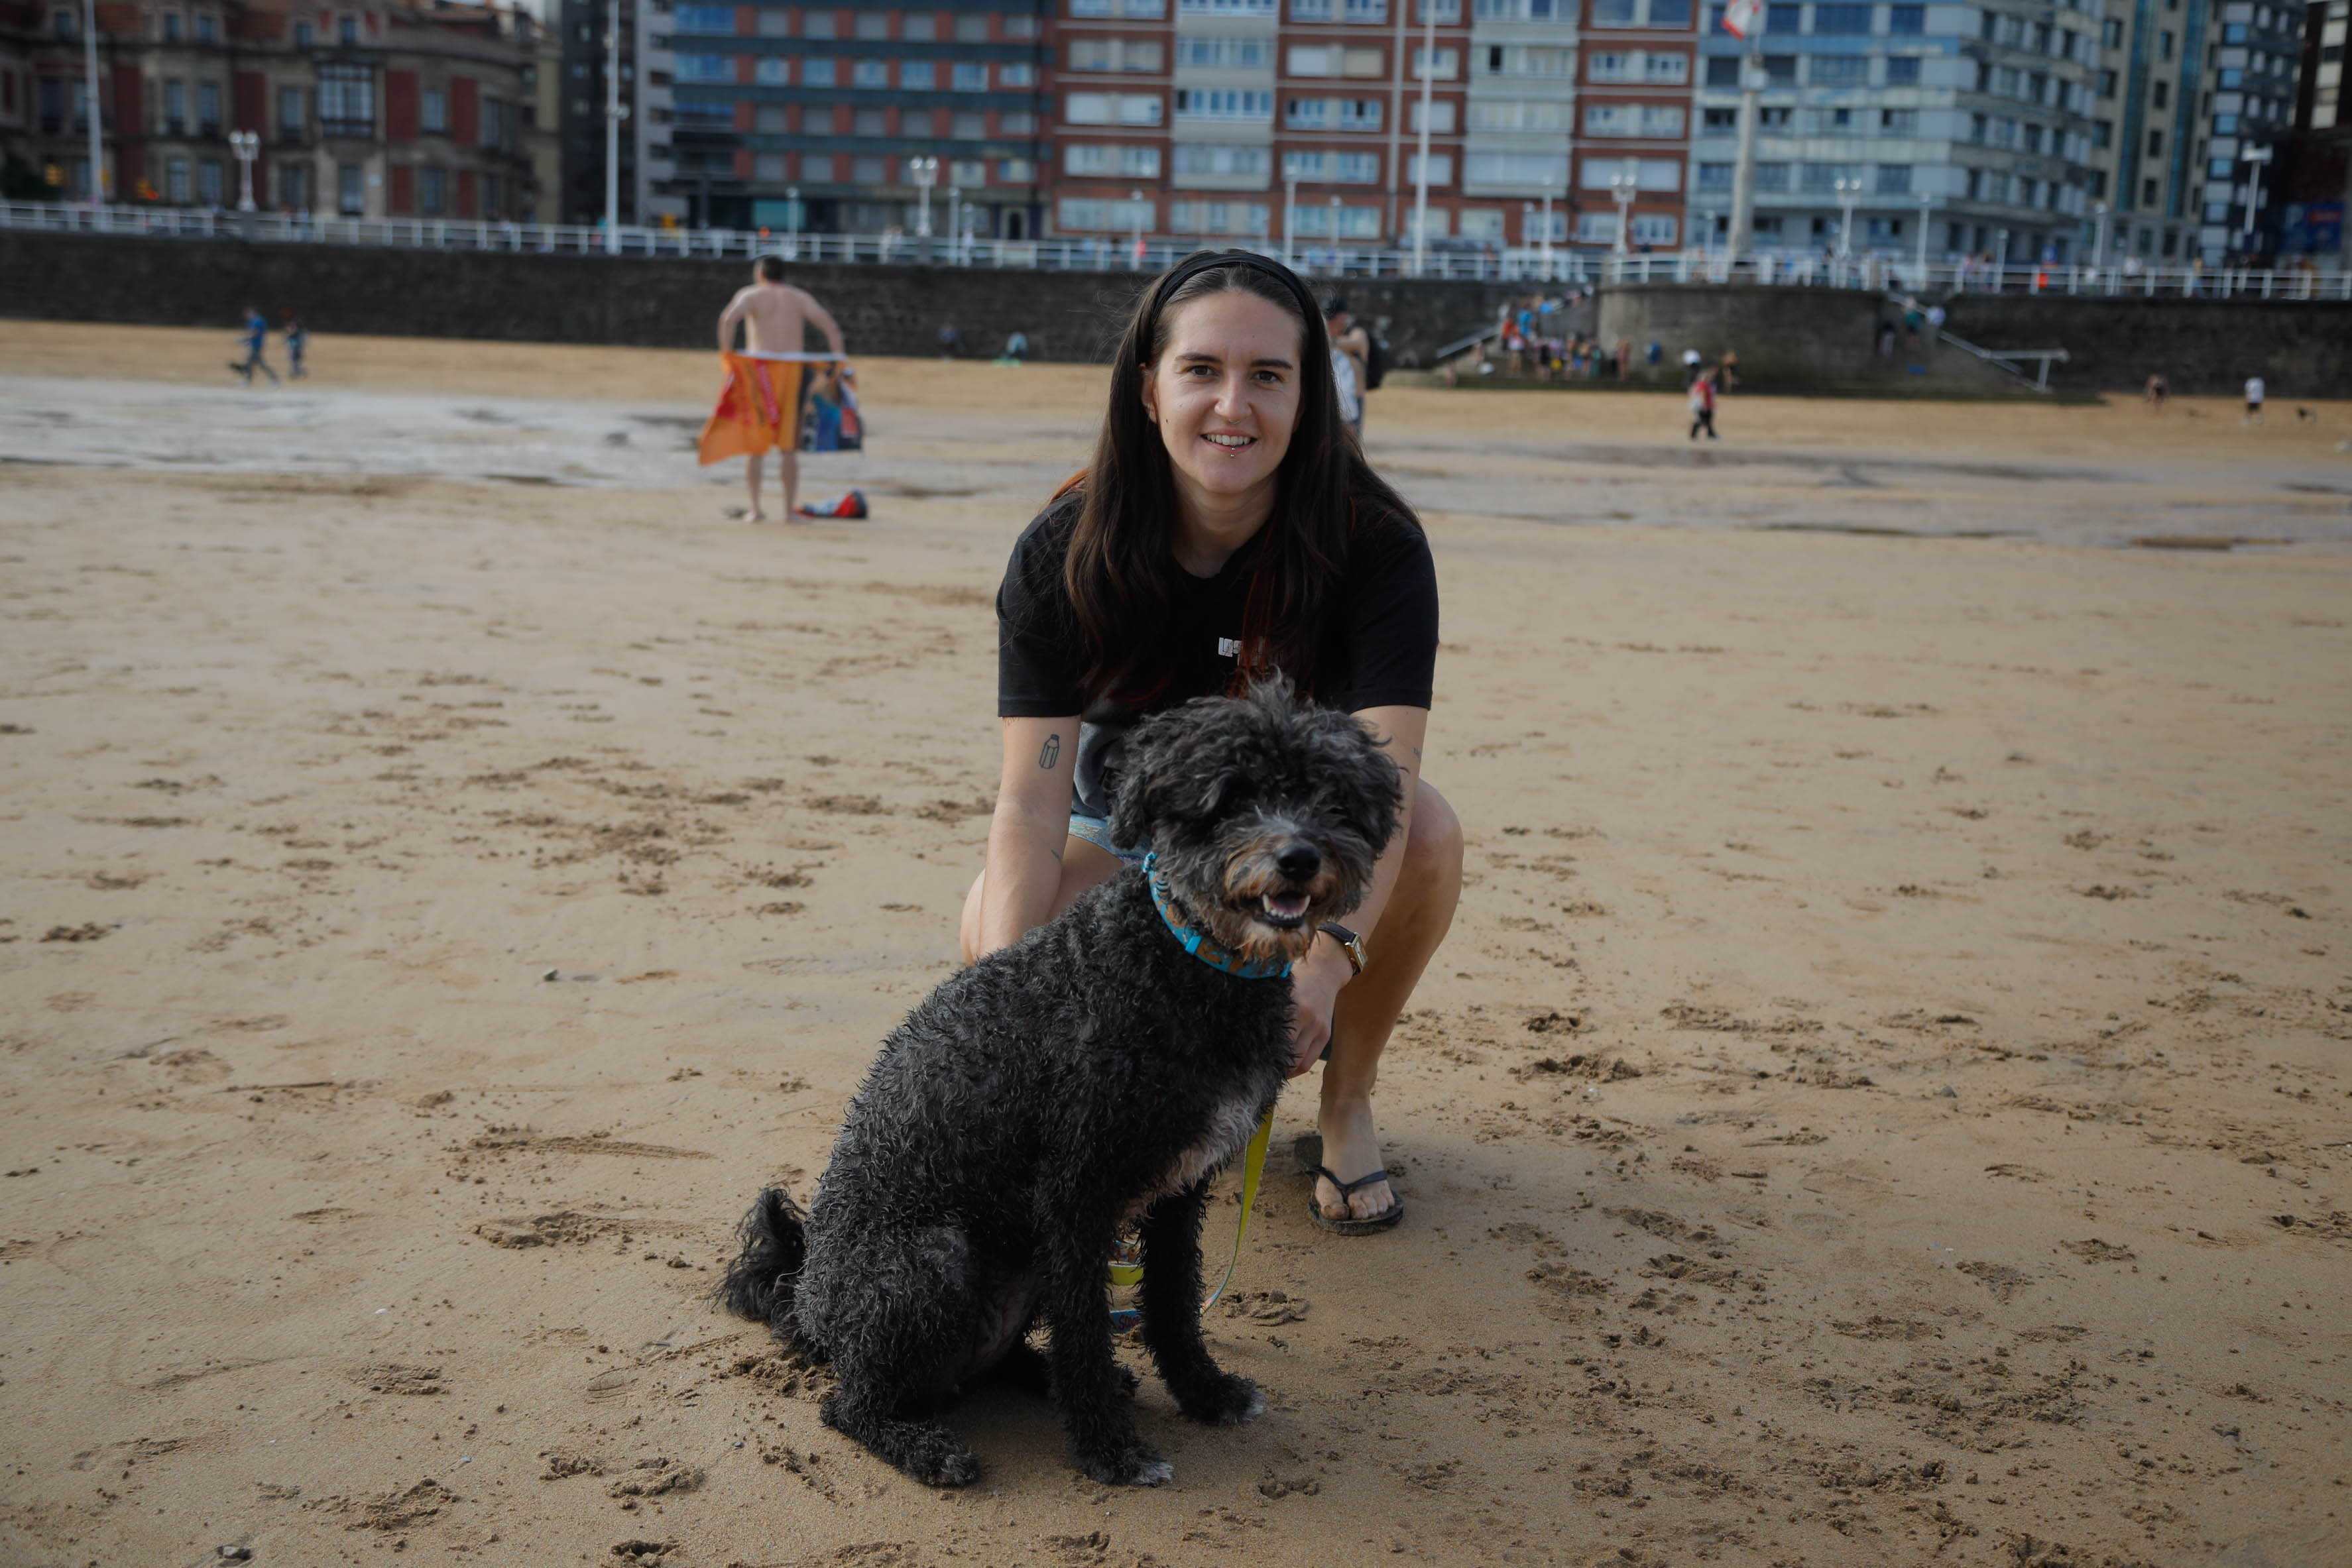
point(1561, 264)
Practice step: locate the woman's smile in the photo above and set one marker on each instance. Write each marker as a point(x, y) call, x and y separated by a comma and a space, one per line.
point(1224, 394)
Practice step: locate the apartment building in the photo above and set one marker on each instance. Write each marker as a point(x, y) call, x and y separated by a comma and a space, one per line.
point(2314, 181)
point(1972, 119)
point(645, 144)
point(365, 110)
point(1638, 62)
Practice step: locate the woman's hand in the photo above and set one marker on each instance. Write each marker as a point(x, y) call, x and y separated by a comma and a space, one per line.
point(1315, 983)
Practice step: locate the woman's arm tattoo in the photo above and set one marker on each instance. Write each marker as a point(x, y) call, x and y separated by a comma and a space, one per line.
point(1051, 752)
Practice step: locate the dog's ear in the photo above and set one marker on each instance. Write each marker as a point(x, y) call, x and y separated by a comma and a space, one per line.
point(1357, 776)
point(1135, 804)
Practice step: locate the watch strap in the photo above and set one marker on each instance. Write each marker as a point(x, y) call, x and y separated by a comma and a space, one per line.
point(1350, 943)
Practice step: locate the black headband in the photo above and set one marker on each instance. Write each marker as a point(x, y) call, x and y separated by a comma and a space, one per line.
point(1202, 261)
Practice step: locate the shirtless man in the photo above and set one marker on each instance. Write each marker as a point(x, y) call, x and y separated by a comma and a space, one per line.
point(776, 318)
point(1356, 344)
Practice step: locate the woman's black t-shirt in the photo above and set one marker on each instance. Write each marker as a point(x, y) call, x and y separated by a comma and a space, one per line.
point(1378, 646)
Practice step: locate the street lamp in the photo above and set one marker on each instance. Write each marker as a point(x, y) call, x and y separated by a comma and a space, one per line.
point(2099, 248)
point(1926, 202)
point(1421, 178)
point(1847, 190)
point(1621, 190)
point(1546, 232)
point(2000, 261)
point(925, 172)
point(96, 133)
point(1289, 212)
point(616, 111)
point(1136, 208)
point(955, 216)
point(2255, 159)
point(246, 145)
point(1337, 260)
point(792, 219)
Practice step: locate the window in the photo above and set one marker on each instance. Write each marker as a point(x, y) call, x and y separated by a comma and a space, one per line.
point(303, 36)
point(348, 29)
point(705, 67)
point(1322, 61)
point(1026, 26)
point(2106, 84)
point(816, 168)
point(1443, 65)
point(434, 112)
point(175, 108)
point(818, 122)
point(1670, 13)
point(1774, 120)
point(769, 118)
point(1719, 121)
point(351, 187)
point(1821, 177)
point(1517, 114)
point(1665, 69)
point(1605, 12)
point(720, 19)
point(870, 73)
point(1221, 103)
point(2159, 95)
point(1611, 68)
point(1518, 60)
point(1436, 228)
point(1446, 11)
point(207, 109)
point(208, 181)
point(1903, 71)
point(175, 181)
point(290, 114)
point(435, 185)
point(1121, 161)
point(870, 122)
point(1307, 113)
point(1341, 167)
point(1649, 174)
point(2155, 144)
point(1654, 228)
point(1779, 70)
point(1662, 120)
point(2103, 133)
point(1359, 114)
point(917, 75)
point(1019, 74)
point(294, 185)
point(1113, 109)
point(816, 73)
point(207, 30)
point(774, 21)
point(1016, 171)
point(1596, 228)
point(1218, 54)
point(773, 70)
point(1208, 161)
point(967, 125)
point(1840, 70)
point(1527, 170)
point(1771, 176)
point(171, 28)
point(1899, 121)
point(1014, 122)
point(969, 174)
point(1781, 18)
point(1894, 179)
point(1441, 169)
point(915, 122)
point(1602, 120)
point(1842, 20)
point(921, 26)
point(1140, 8)
point(969, 78)
point(1907, 21)
point(1723, 70)
point(346, 100)
point(1225, 7)
point(869, 169)
point(873, 24)
point(1440, 117)
point(1714, 176)
point(1087, 213)
point(1218, 217)
point(816, 24)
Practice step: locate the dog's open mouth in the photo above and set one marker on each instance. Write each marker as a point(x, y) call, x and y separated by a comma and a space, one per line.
point(1284, 911)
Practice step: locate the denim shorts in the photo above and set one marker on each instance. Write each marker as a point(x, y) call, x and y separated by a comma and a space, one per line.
point(1095, 830)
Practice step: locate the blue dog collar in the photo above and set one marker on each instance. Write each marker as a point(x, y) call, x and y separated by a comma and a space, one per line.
point(1197, 942)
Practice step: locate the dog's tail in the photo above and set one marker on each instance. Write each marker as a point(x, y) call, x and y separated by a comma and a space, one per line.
point(761, 1282)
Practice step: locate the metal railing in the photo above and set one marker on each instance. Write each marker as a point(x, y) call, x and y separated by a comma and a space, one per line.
point(1556, 265)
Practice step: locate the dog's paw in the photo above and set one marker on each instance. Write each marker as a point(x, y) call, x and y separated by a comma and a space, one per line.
point(1135, 1467)
point(1129, 1383)
point(1224, 1400)
point(957, 1466)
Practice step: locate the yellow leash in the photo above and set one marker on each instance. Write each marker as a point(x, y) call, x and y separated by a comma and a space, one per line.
point(1126, 1259)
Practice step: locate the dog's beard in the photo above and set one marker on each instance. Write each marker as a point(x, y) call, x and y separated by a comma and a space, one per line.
point(1248, 904)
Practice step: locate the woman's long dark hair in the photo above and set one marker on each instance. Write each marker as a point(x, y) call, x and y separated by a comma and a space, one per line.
point(1121, 571)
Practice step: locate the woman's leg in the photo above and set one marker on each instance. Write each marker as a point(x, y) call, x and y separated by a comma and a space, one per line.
point(1419, 914)
point(1083, 866)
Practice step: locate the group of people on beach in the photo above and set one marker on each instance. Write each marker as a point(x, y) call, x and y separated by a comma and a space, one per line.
point(256, 338)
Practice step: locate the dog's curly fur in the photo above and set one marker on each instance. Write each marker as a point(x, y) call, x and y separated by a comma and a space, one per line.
point(1091, 1072)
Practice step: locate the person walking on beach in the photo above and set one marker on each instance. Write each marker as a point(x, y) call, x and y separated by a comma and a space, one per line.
point(776, 318)
point(256, 334)
point(2159, 389)
point(296, 339)
point(1702, 405)
point(2253, 401)
point(1227, 530)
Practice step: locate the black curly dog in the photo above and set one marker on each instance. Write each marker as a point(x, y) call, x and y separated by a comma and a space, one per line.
point(1092, 1072)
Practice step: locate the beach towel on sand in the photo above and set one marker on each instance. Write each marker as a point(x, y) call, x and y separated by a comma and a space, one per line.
point(763, 403)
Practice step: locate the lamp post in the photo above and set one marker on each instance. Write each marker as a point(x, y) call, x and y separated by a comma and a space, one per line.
point(1337, 260)
point(1527, 225)
point(614, 112)
point(1546, 232)
point(1622, 187)
point(1420, 179)
point(1136, 207)
point(1289, 214)
point(2255, 159)
point(1847, 190)
point(1926, 202)
point(925, 172)
point(955, 217)
point(2000, 261)
point(792, 219)
point(1745, 20)
point(246, 145)
point(2099, 247)
point(96, 131)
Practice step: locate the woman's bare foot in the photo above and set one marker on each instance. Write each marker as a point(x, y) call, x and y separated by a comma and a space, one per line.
point(1351, 1147)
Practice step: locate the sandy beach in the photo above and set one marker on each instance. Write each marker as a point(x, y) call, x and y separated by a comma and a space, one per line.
point(1884, 1099)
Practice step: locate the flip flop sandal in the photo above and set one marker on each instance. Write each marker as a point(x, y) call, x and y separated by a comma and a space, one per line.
point(1308, 1152)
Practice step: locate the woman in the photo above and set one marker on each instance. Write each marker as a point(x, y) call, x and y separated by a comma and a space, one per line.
point(1228, 527)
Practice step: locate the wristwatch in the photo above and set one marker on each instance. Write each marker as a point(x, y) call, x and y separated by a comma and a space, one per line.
point(1350, 943)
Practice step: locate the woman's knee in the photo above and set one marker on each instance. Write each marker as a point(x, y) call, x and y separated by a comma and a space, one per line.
point(968, 928)
point(1432, 845)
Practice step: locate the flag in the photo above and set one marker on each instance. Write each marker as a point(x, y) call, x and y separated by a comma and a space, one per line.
point(1740, 19)
point(761, 403)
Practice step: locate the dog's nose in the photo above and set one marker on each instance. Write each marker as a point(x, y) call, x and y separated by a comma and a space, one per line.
point(1298, 861)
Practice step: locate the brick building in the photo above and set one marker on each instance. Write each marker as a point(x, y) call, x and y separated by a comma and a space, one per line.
point(1638, 62)
point(373, 110)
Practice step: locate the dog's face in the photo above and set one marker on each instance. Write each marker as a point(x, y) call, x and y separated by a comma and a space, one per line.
point(1267, 817)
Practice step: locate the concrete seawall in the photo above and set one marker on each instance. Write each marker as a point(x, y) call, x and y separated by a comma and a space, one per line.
point(1787, 338)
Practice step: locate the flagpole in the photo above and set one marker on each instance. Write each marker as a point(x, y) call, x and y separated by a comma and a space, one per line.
point(1745, 20)
point(1421, 182)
